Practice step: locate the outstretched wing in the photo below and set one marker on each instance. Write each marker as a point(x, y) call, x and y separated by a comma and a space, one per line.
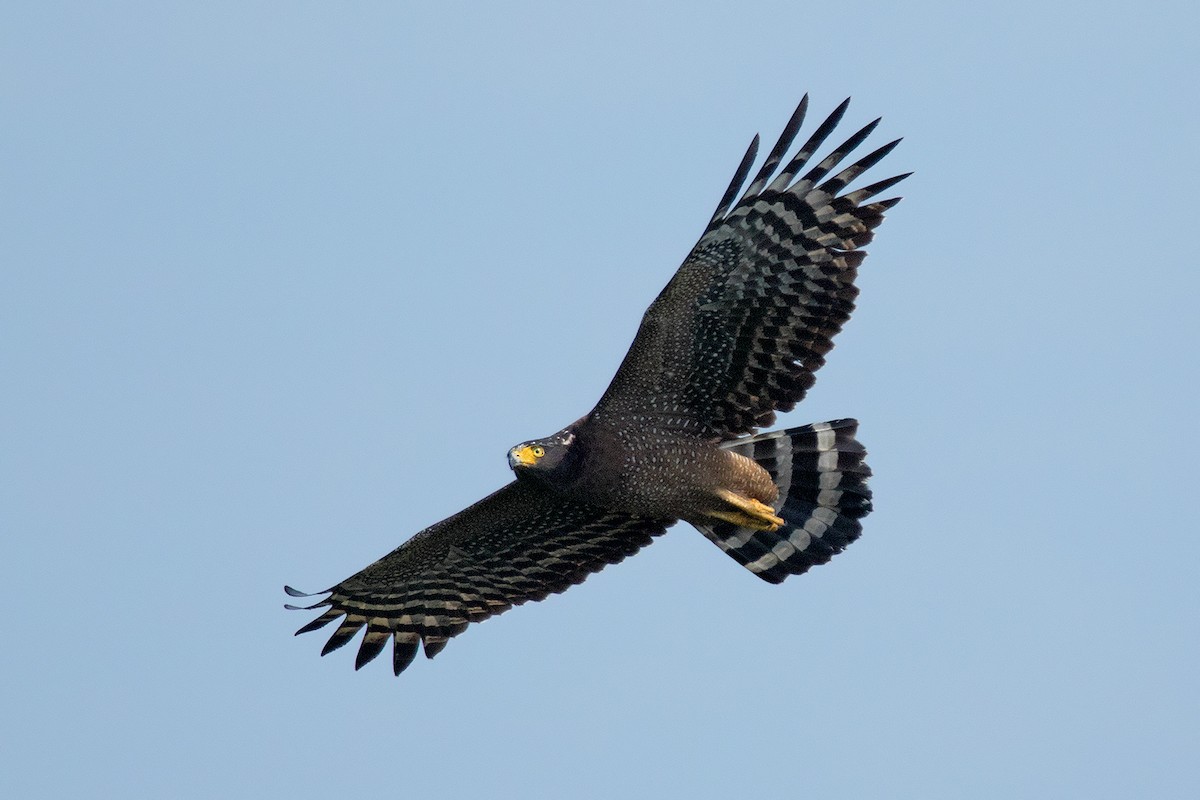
point(742, 326)
point(519, 544)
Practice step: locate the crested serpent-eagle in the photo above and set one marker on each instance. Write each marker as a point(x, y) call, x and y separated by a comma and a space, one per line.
point(734, 337)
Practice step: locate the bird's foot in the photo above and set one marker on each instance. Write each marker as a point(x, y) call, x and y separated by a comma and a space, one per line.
point(747, 512)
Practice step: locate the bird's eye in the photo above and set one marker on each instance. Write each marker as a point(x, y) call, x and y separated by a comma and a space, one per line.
point(538, 451)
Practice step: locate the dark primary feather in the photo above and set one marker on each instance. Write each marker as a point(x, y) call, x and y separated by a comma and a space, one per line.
point(519, 544)
point(779, 150)
point(739, 177)
point(740, 329)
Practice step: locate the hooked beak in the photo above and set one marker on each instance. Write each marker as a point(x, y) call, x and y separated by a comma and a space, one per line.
point(521, 456)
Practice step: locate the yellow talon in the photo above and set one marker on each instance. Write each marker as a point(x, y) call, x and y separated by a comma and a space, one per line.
point(749, 513)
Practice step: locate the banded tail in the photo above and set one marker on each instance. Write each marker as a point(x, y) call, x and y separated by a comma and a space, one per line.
point(823, 494)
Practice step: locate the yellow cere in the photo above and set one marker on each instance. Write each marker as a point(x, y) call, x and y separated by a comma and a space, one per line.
point(527, 455)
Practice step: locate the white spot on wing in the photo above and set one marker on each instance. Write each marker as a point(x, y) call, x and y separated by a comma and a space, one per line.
point(829, 497)
point(829, 480)
point(764, 563)
point(738, 539)
point(800, 539)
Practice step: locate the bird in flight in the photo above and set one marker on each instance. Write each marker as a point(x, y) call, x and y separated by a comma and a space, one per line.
point(734, 337)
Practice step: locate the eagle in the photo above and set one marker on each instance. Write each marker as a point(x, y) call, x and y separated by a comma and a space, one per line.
point(736, 336)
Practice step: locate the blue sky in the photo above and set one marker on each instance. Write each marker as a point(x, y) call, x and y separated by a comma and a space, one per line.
point(282, 283)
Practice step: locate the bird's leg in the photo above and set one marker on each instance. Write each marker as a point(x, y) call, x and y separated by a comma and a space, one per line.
point(746, 512)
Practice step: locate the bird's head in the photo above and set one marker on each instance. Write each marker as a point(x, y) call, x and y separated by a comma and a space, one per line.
point(540, 457)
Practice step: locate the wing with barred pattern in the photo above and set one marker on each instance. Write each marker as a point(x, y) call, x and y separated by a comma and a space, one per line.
point(519, 544)
point(739, 331)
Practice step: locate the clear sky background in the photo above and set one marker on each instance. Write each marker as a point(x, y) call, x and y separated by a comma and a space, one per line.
point(281, 283)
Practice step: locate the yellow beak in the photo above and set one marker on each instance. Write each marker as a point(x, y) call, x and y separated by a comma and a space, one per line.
point(521, 456)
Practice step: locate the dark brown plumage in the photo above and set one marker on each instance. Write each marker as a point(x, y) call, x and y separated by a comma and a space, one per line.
point(734, 337)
